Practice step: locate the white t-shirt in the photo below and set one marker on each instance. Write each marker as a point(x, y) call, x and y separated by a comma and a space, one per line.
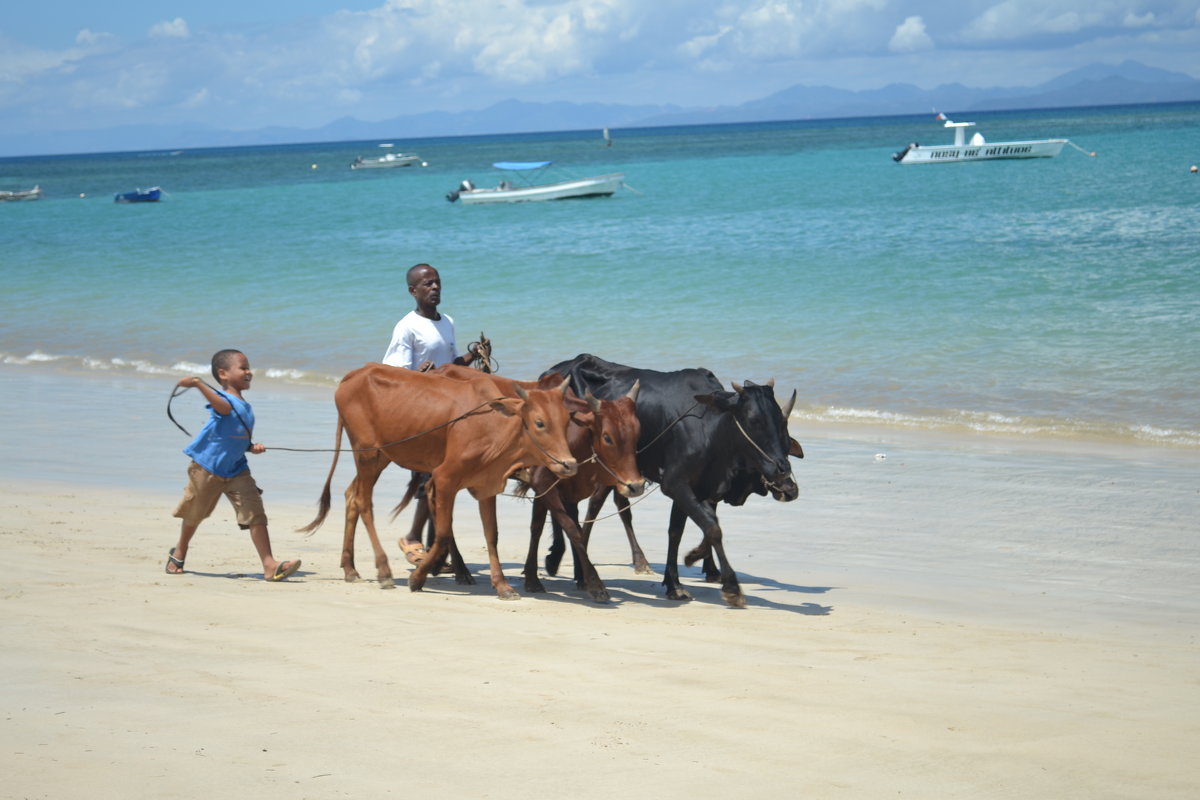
point(417, 339)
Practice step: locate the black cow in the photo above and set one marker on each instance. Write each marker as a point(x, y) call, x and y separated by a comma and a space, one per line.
point(702, 445)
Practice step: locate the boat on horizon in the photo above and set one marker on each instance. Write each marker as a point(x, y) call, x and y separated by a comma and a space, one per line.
point(7, 196)
point(387, 161)
point(976, 148)
point(526, 172)
point(150, 195)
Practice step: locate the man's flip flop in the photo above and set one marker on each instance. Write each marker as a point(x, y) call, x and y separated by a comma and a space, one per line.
point(414, 552)
point(285, 569)
point(171, 559)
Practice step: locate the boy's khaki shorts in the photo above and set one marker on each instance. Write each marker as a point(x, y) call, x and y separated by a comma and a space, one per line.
point(204, 489)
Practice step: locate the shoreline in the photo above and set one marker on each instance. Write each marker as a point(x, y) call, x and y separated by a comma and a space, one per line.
point(983, 428)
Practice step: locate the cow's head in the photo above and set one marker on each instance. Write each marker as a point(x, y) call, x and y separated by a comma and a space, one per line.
point(760, 436)
point(606, 432)
point(544, 418)
point(615, 432)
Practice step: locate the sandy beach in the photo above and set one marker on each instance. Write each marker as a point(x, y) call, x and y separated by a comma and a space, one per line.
point(966, 617)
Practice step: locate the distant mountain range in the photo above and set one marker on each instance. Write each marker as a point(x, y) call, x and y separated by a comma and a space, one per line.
point(1093, 85)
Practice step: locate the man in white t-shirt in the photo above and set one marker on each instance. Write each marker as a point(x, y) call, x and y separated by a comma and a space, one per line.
point(424, 338)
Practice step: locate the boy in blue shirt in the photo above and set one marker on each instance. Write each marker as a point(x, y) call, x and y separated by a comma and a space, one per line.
point(219, 466)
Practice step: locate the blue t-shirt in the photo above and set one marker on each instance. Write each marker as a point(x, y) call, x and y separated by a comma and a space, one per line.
point(220, 446)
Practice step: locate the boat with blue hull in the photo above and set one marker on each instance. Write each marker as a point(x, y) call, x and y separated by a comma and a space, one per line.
point(151, 195)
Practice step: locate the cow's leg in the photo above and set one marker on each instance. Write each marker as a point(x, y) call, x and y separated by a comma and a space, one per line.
point(537, 523)
point(349, 573)
point(491, 532)
point(640, 565)
point(359, 503)
point(595, 503)
point(671, 568)
point(458, 565)
point(702, 552)
point(441, 503)
point(586, 577)
point(704, 514)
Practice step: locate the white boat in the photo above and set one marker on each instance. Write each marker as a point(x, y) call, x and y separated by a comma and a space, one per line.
point(975, 149)
point(27, 194)
point(527, 172)
point(387, 161)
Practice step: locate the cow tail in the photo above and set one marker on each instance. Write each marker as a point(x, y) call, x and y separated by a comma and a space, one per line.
point(415, 482)
point(324, 503)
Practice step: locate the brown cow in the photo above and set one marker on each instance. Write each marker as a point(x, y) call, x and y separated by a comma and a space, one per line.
point(601, 463)
point(604, 446)
point(461, 432)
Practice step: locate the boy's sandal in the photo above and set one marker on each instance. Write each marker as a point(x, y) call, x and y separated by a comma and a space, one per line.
point(171, 559)
point(285, 569)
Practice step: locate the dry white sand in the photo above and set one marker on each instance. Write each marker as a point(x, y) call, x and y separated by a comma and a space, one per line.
point(962, 619)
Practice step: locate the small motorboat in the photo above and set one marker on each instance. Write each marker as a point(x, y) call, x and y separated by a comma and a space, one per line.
point(27, 194)
point(975, 149)
point(527, 172)
point(387, 161)
point(151, 195)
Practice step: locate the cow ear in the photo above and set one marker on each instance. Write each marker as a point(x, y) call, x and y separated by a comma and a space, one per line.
point(721, 401)
point(794, 448)
point(584, 419)
point(507, 406)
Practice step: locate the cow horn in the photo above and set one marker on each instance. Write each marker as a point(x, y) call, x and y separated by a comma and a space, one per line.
point(592, 402)
point(771, 383)
point(565, 384)
point(737, 387)
point(521, 393)
point(787, 412)
point(633, 390)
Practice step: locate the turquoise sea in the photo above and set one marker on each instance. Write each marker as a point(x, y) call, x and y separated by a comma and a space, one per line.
point(1045, 298)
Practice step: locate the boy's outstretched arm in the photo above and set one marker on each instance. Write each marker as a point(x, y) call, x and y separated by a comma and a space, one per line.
point(219, 404)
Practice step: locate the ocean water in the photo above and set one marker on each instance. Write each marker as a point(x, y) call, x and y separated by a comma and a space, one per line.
point(1044, 298)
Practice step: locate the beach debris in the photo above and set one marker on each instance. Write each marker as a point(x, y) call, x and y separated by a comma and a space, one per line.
point(1195, 169)
point(881, 456)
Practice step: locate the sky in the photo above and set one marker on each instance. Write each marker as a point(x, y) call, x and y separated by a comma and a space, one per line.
point(80, 64)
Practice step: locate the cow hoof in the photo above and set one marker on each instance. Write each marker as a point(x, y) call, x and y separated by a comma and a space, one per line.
point(387, 583)
point(534, 586)
point(735, 600)
point(464, 579)
point(712, 577)
point(643, 569)
point(350, 577)
point(511, 594)
point(600, 595)
point(678, 594)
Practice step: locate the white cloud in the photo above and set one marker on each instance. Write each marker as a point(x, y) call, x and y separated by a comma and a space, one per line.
point(87, 37)
point(1135, 21)
point(171, 29)
point(910, 37)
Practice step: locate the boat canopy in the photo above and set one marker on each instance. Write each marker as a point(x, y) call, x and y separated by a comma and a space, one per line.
point(521, 164)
